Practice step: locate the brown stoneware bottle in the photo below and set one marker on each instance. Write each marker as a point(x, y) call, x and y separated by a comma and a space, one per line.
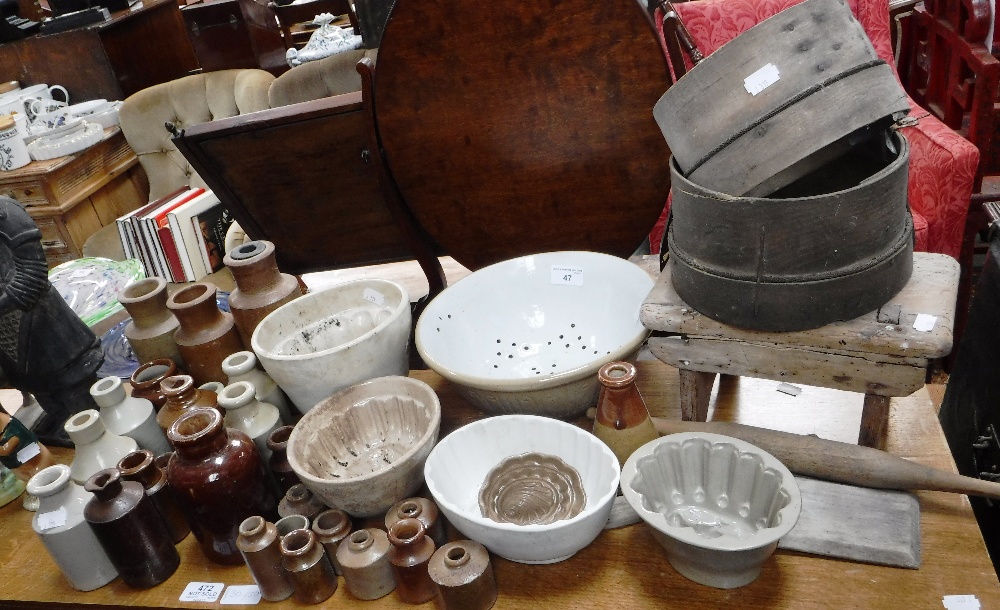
point(310, 569)
point(219, 480)
point(151, 331)
point(258, 543)
point(146, 380)
point(140, 466)
point(300, 501)
point(130, 530)
point(423, 510)
point(464, 576)
point(278, 462)
point(206, 334)
point(331, 526)
point(622, 421)
point(410, 553)
point(260, 287)
point(182, 396)
point(364, 563)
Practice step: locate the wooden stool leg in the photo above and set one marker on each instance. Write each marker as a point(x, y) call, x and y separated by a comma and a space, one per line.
point(696, 390)
point(874, 421)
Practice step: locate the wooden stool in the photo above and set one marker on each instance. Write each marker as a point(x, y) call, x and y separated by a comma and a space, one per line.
point(879, 354)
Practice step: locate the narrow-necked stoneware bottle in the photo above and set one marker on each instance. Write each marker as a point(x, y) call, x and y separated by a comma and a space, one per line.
point(130, 530)
point(64, 533)
point(261, 549)
point(248, 415)
point(145, 380)
point(219, 480)
point(206, 334)
point(278, 463)
point(410, 553)
point(423, 510)
point(622, 421)
point(182, 396)
point(364, 564)
point(150, 333)
point(331, 527)
point(464, 576)
point(260, 287)
point(300, 501)
point(310, 569)
point(96, 448)
point(128, 416)
point(242, 366)
point(140, 466)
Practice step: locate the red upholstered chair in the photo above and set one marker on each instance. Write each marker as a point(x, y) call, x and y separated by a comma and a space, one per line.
point(942, 163)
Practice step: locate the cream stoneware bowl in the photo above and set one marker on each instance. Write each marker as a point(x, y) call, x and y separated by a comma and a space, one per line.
point(528, 335)
point(459, 465)
point(717, 505)
point(325, 341)
point(363, 449)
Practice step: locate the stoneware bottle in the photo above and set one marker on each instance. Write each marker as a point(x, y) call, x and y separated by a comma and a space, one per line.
point(151, 330)
point(242, 366)
point(622, 421)
point(260, 287)
point(64, 533)
point(278, 463)
point(140, 466)
point(310, 569)
point(331, 527)
point(213, 386)
point(128, 416)
point(248, 415)
point(300, 501)
point(130, 530)
point(287, 525)
point(219, 480)
point(258, 543)
point(364, 563)
point(182, 396)
point(410, 553)
point(423, 510)
point(206, 334)
point(464, 576)
point(145, 380)
point(96, 448)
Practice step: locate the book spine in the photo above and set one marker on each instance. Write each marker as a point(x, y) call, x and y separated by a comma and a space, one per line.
point(141, 248)
point(124, 237)
point(153, 247)
point(171, 254)
point(184, 249)
point(202, 245)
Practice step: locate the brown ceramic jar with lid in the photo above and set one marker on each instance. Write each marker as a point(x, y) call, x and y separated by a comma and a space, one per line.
point(146, 379)
point(151, 331)
point(410, 553)
point(140, 466)
point(464, 576)
point(622, 421)
point(206, 334)
point(260, 286)
point(258, 543)
point(310, 569)
point(219, 480)
point(182, 396)
point(130, 530)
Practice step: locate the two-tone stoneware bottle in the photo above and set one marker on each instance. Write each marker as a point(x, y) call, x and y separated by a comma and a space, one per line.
point(206, 334)
point(150, 333)
point(260, 286)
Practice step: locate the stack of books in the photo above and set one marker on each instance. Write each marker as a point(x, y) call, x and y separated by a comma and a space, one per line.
point(180, 237)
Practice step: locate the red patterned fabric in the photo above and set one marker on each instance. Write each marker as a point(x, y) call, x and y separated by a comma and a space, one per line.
point(942, 163)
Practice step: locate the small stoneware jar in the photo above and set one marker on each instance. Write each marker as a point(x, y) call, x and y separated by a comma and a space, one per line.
point(300, 501)
point(464, 576)
point(213, 386)
point(242, 366)
point(260, 287)
point(140, 466)
point(64, 533)
point(248, 415)
point(96, 448)
point(364, 563)
point(331, 527)
point(128, 416)
point(410, 553)
point(306, 562)
point(145, 380)
point(219, 480)
point(622, 420)
point(206, 334)
point(287, 525)
point(182, 396)
point(423, 510)
point(150, 333)
point(278, 463)
point(130, 530)
point(261, 549)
